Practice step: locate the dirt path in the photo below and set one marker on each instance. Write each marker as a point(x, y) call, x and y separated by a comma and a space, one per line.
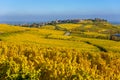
point(99, 47)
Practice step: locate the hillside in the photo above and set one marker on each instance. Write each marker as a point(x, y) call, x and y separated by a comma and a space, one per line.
point(67, 51)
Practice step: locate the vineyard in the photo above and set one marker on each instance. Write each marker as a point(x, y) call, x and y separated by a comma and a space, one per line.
point(46, 53)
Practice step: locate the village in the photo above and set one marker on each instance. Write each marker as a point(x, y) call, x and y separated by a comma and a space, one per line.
point(38, 25)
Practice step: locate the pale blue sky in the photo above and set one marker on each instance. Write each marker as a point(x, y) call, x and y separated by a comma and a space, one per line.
point(22, 9)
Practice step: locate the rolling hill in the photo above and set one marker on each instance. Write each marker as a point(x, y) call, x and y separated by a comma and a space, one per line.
point(46, 53)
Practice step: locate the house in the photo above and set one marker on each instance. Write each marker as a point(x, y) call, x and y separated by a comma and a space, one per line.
point(115, 37)
point(67, 33)
point(76, 20)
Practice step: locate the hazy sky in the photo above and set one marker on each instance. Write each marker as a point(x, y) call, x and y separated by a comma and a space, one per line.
point(28, 9)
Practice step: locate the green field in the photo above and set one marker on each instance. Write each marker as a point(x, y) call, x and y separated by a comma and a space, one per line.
point(47, 53)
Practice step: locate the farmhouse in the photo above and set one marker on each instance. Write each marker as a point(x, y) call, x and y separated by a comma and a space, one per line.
point(115, 37)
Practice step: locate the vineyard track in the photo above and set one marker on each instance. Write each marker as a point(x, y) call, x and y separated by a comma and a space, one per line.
point(99, 47)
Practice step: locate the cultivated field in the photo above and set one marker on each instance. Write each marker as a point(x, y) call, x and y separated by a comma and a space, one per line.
point(47, 53)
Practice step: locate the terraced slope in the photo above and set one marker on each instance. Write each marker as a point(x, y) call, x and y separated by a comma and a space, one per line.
point(48, 54)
